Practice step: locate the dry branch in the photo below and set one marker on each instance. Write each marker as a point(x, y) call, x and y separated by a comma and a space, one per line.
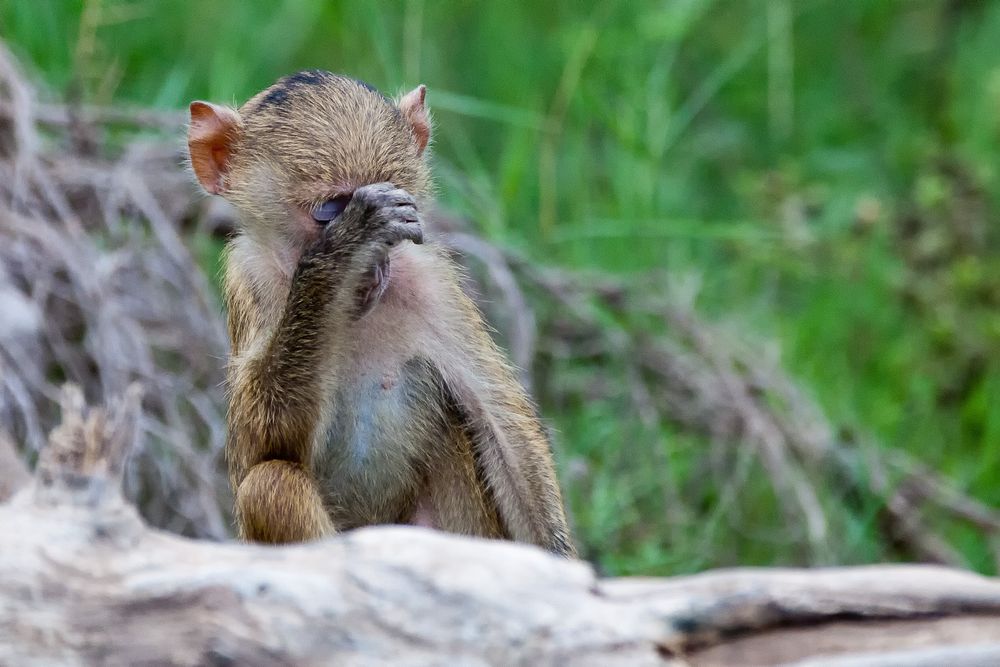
point(97, 287)
point(84, 581)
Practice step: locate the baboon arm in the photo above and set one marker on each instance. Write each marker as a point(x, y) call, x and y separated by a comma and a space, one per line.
point(276, 392)
point(514, 460)
point(274, 410)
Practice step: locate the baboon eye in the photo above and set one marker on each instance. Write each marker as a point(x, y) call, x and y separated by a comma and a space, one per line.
point(330, 209)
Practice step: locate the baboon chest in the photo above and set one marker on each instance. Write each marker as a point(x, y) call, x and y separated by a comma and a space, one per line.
point(373, 457)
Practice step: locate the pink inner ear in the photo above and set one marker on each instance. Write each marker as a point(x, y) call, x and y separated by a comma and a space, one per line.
point(415, 113)
point(211, 133)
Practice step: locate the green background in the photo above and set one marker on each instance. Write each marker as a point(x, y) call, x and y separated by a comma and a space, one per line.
point(827, 169)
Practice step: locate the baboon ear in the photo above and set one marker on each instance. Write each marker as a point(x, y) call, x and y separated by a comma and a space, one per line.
point(212, 134)
point(416, 114)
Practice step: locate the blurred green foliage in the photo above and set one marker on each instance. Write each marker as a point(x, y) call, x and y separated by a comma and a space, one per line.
point(828, 168)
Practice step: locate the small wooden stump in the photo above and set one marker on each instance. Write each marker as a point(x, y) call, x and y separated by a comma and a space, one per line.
point(83, 581)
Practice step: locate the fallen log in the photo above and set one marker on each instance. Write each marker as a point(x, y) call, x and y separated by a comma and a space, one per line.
point(84, 581)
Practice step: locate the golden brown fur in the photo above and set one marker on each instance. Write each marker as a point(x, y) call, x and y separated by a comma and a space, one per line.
point(402, 412)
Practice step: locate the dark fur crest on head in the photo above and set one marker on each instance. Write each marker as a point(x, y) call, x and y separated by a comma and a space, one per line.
point(317, 127)
point(277, 95)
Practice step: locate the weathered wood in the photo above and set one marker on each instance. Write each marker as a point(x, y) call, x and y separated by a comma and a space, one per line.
point(84, 581)
point(13, 473)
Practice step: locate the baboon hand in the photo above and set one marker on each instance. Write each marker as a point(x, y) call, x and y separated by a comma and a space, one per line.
point(377, 218)
point(379, 215)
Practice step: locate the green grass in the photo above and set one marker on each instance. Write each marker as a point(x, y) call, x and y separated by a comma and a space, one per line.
point(738, 140)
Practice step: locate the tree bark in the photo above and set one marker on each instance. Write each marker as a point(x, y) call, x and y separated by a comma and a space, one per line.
point(83, 581)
